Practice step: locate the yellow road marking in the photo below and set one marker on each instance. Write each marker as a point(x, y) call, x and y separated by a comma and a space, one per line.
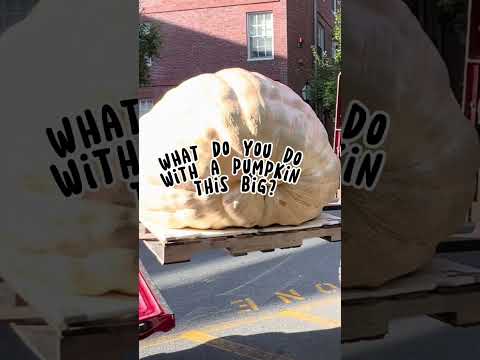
point(252, 304)
point(318, 320)
point(321, 287)
point(317, 304)
point(288, 297)
point(236, 323)
point(246, 304)
point(145, 344)
point(247, 351)
point(228, 325)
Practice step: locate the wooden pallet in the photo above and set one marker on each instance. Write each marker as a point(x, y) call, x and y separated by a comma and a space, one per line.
point(67, 327)
point(179, 245)
point(468, 240)
point(334, 205)
point(445, 290)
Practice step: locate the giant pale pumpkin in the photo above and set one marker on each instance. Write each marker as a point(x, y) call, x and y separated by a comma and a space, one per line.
point(234, 105)
point(432, 151)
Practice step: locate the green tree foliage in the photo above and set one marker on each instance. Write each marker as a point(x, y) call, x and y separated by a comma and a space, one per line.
point(323, 91)
point(150, 42)
point(337, 35)
point(324, 83)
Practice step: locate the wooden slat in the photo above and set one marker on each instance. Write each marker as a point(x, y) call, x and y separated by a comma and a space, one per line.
point(369, 320)
point(78, 344)
point(193, 235)
point(20, 315)
point(58, 309)
point(467, 238)
point(118, 342)
point(445, 290)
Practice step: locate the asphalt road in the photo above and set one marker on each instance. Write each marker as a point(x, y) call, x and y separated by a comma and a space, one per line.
point(210, 327)
point(282, 305)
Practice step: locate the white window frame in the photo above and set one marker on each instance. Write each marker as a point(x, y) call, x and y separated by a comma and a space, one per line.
point(335, 5)
point(248, 37)
point(142, 106)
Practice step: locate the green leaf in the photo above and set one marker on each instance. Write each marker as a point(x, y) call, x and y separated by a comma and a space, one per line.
point(150, 43)
point(323, 90)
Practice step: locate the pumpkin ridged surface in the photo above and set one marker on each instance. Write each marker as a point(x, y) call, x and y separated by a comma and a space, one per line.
point(234, 105)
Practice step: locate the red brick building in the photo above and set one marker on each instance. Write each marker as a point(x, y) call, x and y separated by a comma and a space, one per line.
point(272, 37)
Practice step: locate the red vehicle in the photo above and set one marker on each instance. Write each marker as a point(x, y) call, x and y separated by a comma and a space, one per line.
point(154, 315)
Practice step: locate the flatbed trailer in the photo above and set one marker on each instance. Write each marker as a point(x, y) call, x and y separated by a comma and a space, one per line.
point(179, 245)
point(445, 290)
point(55, 326)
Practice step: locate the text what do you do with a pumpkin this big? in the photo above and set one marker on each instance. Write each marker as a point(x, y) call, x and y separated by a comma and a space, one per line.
point(258, 173)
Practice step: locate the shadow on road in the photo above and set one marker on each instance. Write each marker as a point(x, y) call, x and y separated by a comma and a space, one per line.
point(313, 345)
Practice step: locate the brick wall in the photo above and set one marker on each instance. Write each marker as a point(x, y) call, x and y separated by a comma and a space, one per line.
point(209, 39)
point(300, 60)
point(152, 6)
point(301, 23)
point(209, 35)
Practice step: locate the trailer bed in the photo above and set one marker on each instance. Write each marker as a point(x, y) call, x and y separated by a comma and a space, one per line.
point(179, 245)
point(56, 326)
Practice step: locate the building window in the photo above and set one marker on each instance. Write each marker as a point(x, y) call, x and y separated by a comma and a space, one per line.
point(320, 38)
point(334, 6)
point(144, 106)
point(260, 36)
point(334, 49)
